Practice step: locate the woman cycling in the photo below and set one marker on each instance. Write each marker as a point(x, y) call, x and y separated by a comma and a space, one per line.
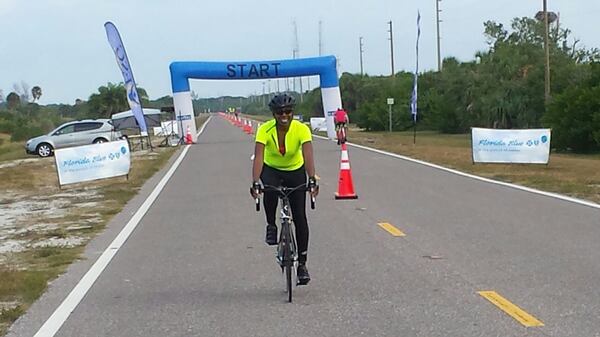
point(341, 123)
point(283, 156)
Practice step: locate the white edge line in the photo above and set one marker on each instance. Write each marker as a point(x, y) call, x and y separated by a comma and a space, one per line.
point(61, 314)
point(523, 188)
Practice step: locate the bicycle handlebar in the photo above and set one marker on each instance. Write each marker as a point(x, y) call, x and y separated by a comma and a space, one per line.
point(284, 192)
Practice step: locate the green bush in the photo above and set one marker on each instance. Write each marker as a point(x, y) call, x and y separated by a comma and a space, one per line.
point(7, 126)
point(25, 132)
point(574, 117)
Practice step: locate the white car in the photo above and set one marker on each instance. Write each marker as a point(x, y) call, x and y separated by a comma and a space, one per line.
point(76, 133)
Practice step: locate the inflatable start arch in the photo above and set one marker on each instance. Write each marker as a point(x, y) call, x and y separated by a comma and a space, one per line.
point(325, 67)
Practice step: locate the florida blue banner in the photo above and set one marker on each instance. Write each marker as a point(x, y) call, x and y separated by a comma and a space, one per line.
point(413, 100)
point(91, 162)
point(531, 146)
point(132, 95)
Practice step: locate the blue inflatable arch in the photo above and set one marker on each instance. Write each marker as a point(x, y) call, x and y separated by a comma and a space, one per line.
point(325, 67)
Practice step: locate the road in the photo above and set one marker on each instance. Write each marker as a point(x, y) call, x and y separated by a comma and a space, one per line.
point(196, 264)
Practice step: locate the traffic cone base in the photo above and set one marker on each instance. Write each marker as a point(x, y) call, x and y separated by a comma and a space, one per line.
point(337, 196)
point(188, 136)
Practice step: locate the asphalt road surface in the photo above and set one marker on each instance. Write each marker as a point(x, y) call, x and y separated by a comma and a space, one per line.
point(196, 265)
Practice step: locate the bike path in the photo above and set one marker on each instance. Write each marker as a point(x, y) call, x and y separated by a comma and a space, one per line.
point(196, 264)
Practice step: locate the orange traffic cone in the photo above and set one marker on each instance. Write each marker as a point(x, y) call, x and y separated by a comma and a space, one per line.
point(345, 186)
point(248, 128)
point(188, 136)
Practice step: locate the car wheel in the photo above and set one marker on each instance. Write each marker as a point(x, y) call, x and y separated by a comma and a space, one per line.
point(44, 150)
point(100, 140)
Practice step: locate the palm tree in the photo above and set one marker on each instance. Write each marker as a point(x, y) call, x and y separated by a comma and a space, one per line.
point(36, 93)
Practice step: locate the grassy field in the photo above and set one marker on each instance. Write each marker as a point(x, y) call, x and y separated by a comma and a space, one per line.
point(11, 150)
point(574, 175)
point(50, 226)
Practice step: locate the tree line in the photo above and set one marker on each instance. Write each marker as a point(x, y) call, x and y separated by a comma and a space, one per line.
point(502, 88)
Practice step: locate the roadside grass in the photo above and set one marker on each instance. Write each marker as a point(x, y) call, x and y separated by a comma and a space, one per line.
point(573, 175)
point(27, 280)
point(11, 150)
point(24, 275)
point(30, 175)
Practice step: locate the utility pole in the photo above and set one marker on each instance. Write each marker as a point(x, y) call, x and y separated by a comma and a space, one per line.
point(320, 38)
point(547, 49)
point(437, 21)
point(297, 54)
point(391, 47)
point(293, 78)
point(390, 102)
point(360, 46)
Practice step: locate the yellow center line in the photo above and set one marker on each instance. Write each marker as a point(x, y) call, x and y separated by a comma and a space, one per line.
point(511, 309)
point(391, 229)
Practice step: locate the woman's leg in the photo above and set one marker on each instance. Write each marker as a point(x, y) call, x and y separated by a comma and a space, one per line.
point(270, 176)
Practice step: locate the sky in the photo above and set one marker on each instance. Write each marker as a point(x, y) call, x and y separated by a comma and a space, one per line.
point(61, 45)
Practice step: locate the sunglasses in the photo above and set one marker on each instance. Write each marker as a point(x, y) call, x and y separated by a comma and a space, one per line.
point(281, 112)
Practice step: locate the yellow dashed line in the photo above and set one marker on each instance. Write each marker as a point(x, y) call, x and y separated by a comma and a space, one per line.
point(511, 309)
point(391, 229)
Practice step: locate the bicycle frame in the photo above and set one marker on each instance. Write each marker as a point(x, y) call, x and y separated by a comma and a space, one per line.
point(286, 236)
point(287, 249)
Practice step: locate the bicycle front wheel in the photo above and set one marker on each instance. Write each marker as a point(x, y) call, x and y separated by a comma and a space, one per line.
point(287, 259)
point(288, 276)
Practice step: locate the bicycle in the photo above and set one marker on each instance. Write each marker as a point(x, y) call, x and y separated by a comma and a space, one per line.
point(287, 251)
point(340, 131)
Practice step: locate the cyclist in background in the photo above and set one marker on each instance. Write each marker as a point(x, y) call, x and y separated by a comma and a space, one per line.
point(283, 156)
point(341, 123)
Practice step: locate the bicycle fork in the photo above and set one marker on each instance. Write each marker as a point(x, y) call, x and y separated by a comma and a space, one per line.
point(286, 238)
